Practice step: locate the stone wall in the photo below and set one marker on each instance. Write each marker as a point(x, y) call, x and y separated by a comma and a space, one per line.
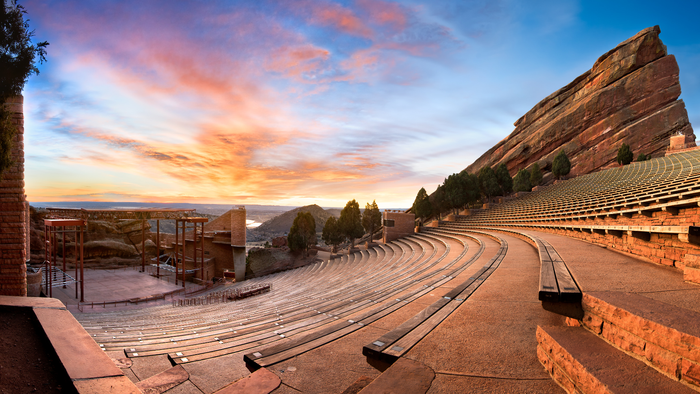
point(663, 249)
point(13, 228)
point(630, 95)
point(403, 224)
point(238, 217)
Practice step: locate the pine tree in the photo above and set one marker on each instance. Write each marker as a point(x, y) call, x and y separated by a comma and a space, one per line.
point(561, 165)
point(504, 180)
point(331, 233)
point(521, 182)
point(624, 155)
point(535, 175)
point(302, 235)
point(488, 183)
point(371, 218)
point(421, 205)
point(350, 222)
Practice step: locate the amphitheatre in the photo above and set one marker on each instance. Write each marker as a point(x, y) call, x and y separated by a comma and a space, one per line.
point(587, 285)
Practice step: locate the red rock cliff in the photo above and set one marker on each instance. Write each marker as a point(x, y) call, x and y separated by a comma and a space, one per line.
point(629, 95)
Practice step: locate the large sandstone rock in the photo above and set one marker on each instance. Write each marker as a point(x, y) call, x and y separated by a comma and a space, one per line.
point(629, 95)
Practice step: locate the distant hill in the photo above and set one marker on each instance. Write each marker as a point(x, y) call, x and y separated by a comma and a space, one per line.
point(282, 223)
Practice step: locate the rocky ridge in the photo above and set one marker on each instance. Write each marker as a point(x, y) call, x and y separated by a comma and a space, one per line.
point(629, 95)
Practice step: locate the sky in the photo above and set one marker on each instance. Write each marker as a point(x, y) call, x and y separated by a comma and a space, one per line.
point(304, 101)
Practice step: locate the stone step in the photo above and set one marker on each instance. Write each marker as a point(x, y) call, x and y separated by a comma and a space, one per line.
point(583, 363)
point(664, 336)
point(403, 376)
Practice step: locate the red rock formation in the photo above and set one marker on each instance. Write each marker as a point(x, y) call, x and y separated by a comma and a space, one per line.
point(629, 95)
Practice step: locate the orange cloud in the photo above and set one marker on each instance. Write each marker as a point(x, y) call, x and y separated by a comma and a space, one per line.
point(385, 13)
point(299, 62)
point(339, 17)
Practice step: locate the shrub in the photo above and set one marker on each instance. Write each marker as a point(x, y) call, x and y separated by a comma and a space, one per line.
point(521, 182)
point(624, 155)
point(561, 165)
point(535, 175)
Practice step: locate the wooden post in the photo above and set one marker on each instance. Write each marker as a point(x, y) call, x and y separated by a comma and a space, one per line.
point(75, 235)
point(63, 238)
point(158, 247)
point(177, 227)
point(184, 228)
point(143, 245)
point(82, 278)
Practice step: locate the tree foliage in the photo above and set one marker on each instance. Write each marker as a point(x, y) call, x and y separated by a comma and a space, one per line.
point(521, 182)
point(17, 53)
point(17, 63)
point(504, 180)
point(455, 196)
point(421, 205)
point(471, 187)
point(643, 157)
point(331, 233)
point(535, 175)
point(624, 155)
point(561, 164)
point(302, 235)
point(371, 218)
point(488, 182)
point(439, 201)
point(350, 222)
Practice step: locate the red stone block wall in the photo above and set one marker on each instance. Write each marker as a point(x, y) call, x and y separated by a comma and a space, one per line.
point(238, 218)
point(13, 228)
point(669, 351)
point(664, 249)
point(404, 224)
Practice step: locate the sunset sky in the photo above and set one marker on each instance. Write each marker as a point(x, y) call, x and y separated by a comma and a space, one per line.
point(304, 101)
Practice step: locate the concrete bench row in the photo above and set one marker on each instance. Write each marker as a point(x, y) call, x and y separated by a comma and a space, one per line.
point(397, 342)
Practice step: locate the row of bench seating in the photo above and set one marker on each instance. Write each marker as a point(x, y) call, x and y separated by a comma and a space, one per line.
point(316, 302)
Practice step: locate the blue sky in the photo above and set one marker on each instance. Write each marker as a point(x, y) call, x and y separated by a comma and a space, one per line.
point(306, 101)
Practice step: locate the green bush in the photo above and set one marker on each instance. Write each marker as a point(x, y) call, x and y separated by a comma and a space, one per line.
point(561, 165)
point(535, 175)
point(521, 182)
point(624, 155)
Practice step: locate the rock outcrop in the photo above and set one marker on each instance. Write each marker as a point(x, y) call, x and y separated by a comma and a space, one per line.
point(630, 95)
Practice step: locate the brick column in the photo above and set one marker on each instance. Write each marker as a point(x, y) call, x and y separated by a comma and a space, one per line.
point(238, 240)
point(13, 228)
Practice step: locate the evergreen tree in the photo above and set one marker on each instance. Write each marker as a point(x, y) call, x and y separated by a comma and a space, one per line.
point(488, 183)
point(371, 218)
point(439, 201)
point(521, 182)
point(624, 155)
point(302, 235)
point(535, 175)
point(454, 192)
point(17, 62)
point(421, 205)
point(331, 233)
point(504, 180)
point(643, 157)
point(561, 165)
point(350, 222)
point(470, 183)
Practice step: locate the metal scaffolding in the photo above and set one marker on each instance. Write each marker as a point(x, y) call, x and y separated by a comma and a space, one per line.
point(54, 276)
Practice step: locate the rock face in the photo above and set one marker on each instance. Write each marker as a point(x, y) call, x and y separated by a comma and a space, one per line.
point(630, 95)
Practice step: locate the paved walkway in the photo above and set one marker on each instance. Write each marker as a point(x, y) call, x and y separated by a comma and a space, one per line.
point(596, 268)
point(117, 285)
point(488, 344)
